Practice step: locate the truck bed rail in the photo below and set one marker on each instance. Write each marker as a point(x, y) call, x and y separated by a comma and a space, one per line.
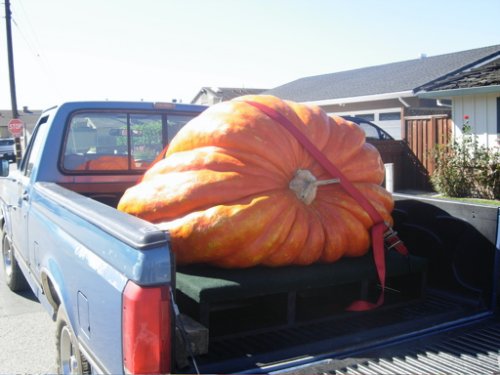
point(120, 225)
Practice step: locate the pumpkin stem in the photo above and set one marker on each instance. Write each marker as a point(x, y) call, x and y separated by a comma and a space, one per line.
point(326, 182)
point(304, 184)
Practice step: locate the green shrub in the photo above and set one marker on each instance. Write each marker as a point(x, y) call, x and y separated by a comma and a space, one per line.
point(465, 169)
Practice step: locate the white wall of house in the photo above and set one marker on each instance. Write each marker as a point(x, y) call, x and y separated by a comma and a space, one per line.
point(389, 119)
point(482, 111)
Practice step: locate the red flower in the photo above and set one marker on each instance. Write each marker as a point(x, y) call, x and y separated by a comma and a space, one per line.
point(466, 117)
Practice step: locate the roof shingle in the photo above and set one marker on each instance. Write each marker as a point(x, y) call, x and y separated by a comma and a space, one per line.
point(388, 78)
point(488, 75)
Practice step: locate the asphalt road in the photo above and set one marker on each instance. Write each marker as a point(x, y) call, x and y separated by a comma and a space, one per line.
point(27, 343)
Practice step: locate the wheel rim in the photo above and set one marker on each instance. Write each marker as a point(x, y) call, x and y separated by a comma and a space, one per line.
point(7, 257)
point(68, 357)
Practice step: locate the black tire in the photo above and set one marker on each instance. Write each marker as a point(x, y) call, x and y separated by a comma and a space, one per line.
point(69, 359)
point(13, 275)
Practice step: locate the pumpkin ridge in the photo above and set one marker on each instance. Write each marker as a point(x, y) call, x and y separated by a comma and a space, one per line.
point(314, 241)
point(334, 245)
point(244, 137)
point(205, 236)
point(316, 122)
point(183, 160)
point(291, 112)
point(366, 166)
point(264, 244)
point(344, 147)
point(239, 200)
point(358, 244)
point(336, 197)
point(242, 199)
point(289, 244)
point(226, 188)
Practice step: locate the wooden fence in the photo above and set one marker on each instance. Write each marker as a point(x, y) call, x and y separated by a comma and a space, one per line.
point(412, 156)
point(423, 134)
point(409, 174)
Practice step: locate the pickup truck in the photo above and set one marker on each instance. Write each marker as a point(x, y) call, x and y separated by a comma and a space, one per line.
point(121, 304)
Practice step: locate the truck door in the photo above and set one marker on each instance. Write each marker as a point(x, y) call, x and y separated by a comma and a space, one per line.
point(19, 217)
point(21, 205)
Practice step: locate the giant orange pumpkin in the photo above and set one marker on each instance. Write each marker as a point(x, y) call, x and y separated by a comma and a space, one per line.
point(236, 189)
point(105, 162)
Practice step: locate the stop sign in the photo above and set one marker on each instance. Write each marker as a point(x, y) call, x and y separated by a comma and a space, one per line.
point(15, 127)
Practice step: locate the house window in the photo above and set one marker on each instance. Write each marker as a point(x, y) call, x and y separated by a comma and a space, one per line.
point(389, 116)
point(366, 116)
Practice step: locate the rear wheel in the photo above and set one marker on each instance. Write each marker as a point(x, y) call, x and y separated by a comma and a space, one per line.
point(13, 275)
point(69, 358)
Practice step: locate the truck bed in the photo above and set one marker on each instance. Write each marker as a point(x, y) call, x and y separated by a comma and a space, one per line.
point(257, 334)
point(413, 323)
point(470, 349)
point(338, 335)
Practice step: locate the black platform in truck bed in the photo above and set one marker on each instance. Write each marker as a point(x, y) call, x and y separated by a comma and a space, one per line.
point(207, 289)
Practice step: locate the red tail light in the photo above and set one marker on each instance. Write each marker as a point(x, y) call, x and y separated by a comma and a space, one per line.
point(146, 329)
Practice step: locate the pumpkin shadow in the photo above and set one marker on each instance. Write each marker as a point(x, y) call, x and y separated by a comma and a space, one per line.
point(454, 248)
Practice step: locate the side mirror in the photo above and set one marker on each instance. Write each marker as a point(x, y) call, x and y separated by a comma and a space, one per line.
point(4, 167)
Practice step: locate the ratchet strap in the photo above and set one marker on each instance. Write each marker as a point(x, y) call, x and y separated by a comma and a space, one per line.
point(380, 231)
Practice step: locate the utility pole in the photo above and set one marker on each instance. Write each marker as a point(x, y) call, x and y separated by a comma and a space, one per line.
point(10, 54)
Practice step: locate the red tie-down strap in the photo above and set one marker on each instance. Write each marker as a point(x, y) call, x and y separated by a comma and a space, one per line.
point(380, 230)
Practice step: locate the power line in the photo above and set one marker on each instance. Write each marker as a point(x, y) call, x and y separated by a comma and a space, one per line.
point(31, 30)
point(30, 46)
point(33, 44)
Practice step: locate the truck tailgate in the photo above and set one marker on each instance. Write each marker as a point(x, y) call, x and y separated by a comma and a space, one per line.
point(473, 349)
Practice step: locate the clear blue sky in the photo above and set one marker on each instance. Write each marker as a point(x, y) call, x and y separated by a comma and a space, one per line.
point(164, 49)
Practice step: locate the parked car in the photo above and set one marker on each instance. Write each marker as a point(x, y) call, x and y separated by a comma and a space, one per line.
point(372, 131)
point(8, 149)
point(409, 172)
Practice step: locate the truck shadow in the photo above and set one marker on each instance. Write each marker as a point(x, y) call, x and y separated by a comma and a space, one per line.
point(27, 294)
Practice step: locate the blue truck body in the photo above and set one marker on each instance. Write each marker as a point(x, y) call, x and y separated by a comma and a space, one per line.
point(63, 236)
point(74, 251)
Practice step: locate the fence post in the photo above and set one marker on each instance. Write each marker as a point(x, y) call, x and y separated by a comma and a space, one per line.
point(389, 177)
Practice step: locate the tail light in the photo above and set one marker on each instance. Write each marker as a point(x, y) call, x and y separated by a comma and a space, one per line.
point(146, 329)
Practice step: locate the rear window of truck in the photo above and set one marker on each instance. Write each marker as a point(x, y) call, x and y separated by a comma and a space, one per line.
point(117, 141)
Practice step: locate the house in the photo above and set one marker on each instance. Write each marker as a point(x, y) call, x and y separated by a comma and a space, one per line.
point(475, 98)
point(386, 94)
point(212, 95)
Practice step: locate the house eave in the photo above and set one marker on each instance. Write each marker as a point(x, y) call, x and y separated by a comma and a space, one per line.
point(459, 92)
point(364, 98)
